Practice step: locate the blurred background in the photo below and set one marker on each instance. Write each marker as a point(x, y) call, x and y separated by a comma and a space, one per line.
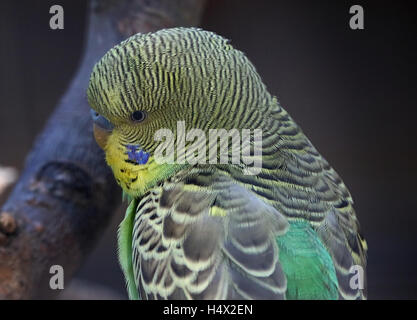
point(352, 92)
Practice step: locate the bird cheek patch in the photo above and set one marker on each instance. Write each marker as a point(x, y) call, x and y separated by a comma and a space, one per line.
point(137, 155)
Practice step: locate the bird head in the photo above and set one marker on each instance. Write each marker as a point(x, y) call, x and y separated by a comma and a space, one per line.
point(159, 80)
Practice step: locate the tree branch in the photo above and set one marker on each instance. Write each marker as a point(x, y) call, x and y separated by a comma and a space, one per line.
point(66, 194)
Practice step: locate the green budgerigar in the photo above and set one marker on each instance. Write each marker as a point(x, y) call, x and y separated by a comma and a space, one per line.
point(205, 228)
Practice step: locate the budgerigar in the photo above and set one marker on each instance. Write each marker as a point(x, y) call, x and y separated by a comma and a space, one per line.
point(216, 230)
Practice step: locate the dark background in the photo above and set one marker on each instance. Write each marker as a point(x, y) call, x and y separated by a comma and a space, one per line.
point(352, 92)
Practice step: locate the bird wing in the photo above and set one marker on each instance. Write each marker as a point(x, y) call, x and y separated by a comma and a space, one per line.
point(302, 186)
point(210, 239)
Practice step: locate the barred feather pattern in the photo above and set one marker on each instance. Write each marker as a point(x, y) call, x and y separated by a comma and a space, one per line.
point(181, 249)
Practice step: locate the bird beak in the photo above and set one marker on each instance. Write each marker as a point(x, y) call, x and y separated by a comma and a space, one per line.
point(102, 128)
point(101, 135)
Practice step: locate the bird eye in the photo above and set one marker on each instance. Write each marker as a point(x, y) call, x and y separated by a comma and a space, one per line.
point(138, 116)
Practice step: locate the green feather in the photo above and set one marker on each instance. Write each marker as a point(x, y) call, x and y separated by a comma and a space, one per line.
point(307, 264)
point(125, 249)
point(126, 197)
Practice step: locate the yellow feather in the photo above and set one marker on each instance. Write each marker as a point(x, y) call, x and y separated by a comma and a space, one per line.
point(135, 179)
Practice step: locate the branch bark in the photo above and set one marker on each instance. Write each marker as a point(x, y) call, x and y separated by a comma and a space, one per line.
point(66, 194)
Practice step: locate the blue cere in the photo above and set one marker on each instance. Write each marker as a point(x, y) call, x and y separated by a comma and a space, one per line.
point(136, 154)
point(101, 121)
